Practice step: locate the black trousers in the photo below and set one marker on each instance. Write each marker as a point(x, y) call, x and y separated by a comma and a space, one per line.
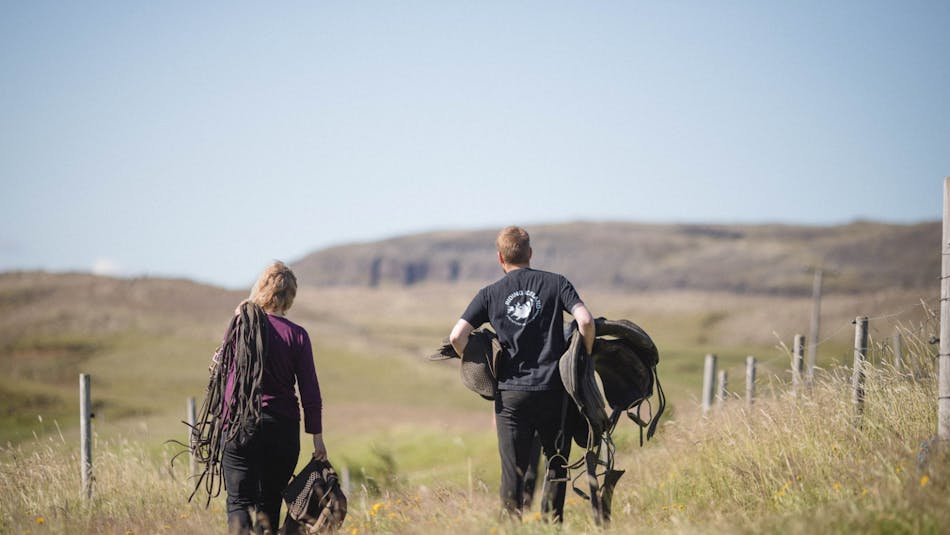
point(257, 471)
point(531, 474)
point(518, 416)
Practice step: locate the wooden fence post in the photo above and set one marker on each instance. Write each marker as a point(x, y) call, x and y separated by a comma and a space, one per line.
point(709, 382)
point(943, 357)
point(471, 481)
point(191, 443)
point(798, 363)
point(345, 476)
point(749, 380)
point(723, 384)
point(898, 352)
point(860, 361)
point(85, 436)
point(814, 328)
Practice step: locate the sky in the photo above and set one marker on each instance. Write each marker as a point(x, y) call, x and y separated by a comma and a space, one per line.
point(205, 139)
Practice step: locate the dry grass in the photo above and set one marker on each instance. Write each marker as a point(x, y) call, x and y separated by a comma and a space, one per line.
point(134, 492)
point(786, 466)
point(790, 465)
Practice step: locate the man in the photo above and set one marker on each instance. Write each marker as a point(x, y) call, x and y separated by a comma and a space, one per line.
point(525, 308)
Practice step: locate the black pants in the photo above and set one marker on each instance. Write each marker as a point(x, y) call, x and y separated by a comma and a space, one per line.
point(256, 472)
point(531, 474)
point(518, 416)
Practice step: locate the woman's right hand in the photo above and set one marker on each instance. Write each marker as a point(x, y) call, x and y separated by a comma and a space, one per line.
point(319, 448)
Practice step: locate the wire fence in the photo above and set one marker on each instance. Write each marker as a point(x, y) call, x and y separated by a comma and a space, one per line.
point(921, 360)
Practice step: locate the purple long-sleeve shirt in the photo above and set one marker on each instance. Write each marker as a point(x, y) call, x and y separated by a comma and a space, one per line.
point(289, 360)
point(290, 356)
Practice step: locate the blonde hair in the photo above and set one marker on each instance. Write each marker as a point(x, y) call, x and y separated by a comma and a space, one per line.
point(275, 289)
point(514, 244)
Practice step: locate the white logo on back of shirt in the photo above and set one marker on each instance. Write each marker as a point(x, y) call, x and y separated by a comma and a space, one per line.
point(522, 306)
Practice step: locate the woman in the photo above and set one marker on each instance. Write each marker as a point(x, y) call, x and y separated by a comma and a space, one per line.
point(258, 462)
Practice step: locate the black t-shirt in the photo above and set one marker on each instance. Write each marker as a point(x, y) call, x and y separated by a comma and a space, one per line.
point(526, 309)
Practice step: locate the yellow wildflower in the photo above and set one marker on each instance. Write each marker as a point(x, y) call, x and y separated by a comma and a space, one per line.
point(924, 480)
point(836, 486)
point(781, 491)
point(40, 520)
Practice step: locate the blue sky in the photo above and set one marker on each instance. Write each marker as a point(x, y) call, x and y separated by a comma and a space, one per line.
point(203, 139)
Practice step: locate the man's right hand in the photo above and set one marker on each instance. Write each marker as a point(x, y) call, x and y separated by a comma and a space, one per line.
point(459, 336)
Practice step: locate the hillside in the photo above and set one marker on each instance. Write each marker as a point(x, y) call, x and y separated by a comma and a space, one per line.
point(39, 303)
point(733, 290)
point(421, 449)
point(770, 259)
point(136, 335)
point(146, 343)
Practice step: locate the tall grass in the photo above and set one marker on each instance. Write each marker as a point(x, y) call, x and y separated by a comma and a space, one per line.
point(793, 464)
point(134, 492)
point(787, 464)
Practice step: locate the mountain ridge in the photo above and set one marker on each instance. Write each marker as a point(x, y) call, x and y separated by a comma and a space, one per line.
point(742, 258)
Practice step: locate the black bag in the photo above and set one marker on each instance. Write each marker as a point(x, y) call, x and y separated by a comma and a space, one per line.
point(315, 500)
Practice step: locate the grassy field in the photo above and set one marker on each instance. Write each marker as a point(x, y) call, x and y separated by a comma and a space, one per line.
point(788, 465)
point(420, 448)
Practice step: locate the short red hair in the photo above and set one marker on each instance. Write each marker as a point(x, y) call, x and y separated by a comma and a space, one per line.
point(514, 244)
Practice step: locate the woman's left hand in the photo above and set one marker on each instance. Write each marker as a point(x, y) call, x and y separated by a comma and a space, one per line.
point(319, 448)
